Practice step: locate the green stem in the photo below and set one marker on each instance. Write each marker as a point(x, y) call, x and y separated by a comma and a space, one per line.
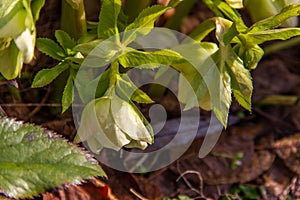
point(114, 74)
point(73, 21)
point(281, 45)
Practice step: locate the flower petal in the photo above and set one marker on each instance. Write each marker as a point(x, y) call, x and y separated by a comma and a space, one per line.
point(129, 121)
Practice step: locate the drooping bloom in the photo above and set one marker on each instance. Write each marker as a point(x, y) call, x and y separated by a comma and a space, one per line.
point(17, 34)
point(111, 122)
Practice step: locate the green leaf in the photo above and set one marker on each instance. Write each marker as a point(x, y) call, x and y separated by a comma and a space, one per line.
point(230, 34)
point(268, 35)
point(127, 90)
point(197, 74)
point(86, 85)
point(143, 24)
point(122, 21)
point(11, 62)
point(104, 53)
point(50, 48)
point(33, 160)
point(231, 13)
point(174, 3)
point(36, 6)
point(46, 76)
point(86, 48)
point(64, 39)
point(135, 58)
point(276, 20)
point(108, 18)
point(241, 80)
point(191, 88)
point(222, 29)
point(68, 94)
point(203, 29)
point(90, 36)
point(219, 86)
point(220, 93)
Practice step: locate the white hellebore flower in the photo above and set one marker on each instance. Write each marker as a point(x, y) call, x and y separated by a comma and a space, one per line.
point(17, 34)
point(111, 122)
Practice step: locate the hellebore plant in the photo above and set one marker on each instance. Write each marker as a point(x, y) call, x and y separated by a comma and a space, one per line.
point(236, 53)
point(110, 117)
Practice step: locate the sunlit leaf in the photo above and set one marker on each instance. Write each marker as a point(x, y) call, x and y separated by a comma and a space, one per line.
point(103, 54)
point(46, 76)
point(68, 94)
point(220, 93)
point(195, 75)
point(143, 23)
point(268, 35)
point(229, 12)
point(33, 160)
point(135, 58)
point(86, 48)
point(203, 29)
point(276, 20)
point(50, 48)
point(128, 90)
point(174, 3)
point(108, 18)
point(241, 80)
point(64, 39)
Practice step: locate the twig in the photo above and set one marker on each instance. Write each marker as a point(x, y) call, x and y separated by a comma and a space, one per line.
point(138, 195)
point(38, 108)
point(200, 191)
point(271, 118)
point(138, 163)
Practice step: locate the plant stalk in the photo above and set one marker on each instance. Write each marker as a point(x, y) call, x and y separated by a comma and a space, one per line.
point(73, 21)
point(273, 48)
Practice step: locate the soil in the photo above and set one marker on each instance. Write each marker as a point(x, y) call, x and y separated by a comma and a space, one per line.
point(268, 137)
